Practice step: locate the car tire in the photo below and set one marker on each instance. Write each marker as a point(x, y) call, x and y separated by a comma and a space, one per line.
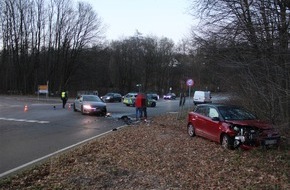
point(227, 142)
point(190, 130)
point(153, 104)
point(75, 108)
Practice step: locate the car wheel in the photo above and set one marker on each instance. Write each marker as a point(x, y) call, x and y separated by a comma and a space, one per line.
point(190, 130)
point(227, 142)
point(153, 104)
point(75, 108)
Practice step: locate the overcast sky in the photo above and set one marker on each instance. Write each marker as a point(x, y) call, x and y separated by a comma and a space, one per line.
point(161, 18)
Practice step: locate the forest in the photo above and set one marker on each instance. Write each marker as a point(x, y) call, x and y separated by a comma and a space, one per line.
point(239, 46)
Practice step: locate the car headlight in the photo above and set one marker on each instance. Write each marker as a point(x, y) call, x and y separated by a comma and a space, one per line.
point(108, 98)
point(87, 107)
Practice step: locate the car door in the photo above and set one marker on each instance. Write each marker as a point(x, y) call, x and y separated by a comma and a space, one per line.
point(212, 129)
point(200, 120)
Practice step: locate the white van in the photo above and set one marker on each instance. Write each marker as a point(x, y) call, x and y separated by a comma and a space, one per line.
point(201, 97)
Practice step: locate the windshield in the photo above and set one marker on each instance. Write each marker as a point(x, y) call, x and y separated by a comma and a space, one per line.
point(92, 99)
point(109, 94)
point(236, 113)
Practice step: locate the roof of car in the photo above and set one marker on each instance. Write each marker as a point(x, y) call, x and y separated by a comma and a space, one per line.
point(87, 95)
point(217, 105)
point(112, 93)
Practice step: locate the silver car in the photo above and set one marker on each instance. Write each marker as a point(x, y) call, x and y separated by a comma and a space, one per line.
point(90, 104)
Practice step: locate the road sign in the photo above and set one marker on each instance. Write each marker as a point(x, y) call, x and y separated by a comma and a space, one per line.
point(189, 82)
point(43, 89)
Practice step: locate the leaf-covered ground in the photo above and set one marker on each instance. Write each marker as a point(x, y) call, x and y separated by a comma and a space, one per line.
point(158, 155)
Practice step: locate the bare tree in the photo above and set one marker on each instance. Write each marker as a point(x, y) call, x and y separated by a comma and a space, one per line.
point(42, 40)
point(255, 33)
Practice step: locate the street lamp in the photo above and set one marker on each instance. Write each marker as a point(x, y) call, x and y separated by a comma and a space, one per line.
point(139, 87)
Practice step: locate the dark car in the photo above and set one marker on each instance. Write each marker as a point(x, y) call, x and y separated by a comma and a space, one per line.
point(112, 97)
point(151, 101)
point(90, 104)
point(153, 96)
point(231, 126)
point(169, 96)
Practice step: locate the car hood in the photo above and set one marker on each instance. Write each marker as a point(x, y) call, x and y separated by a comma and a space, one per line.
point(94, 103)
point(254, 123)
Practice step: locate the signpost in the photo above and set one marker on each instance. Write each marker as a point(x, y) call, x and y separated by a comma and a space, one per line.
point(189, 83)
point(139, 87)
point(43, 89)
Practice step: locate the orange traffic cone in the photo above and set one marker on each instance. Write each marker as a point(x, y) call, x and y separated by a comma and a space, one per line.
point(25, 108)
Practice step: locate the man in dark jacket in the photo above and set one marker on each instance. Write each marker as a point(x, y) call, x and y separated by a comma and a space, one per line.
point(144, 106)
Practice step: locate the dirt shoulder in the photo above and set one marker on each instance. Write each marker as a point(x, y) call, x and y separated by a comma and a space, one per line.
point(157, 155)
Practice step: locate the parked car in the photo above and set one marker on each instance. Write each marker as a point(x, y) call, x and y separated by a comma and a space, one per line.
point(112, 97)
point(231, 126)
point(90, 104)
point(153, 96)
point(151, 102)
point(129, 100)
point(201, 97)
point(169, 96)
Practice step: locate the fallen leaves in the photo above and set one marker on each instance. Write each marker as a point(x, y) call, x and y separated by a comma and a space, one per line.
point(158, 155)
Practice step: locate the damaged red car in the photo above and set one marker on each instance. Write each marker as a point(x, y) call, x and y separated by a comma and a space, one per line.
point(231, 126)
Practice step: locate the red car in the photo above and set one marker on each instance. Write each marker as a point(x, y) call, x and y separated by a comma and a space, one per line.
point(231, 126)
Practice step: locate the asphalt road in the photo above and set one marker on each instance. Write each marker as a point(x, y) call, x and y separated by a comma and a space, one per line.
point(45, 128)
point(29, 136)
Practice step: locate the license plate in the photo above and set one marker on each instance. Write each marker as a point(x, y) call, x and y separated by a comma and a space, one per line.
point(269, 142)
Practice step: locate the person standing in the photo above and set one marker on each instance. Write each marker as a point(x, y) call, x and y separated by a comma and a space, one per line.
point(138, 106)
point(64, 98)
point(144, 106)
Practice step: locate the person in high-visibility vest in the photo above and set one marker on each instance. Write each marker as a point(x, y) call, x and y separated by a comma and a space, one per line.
point(64, 98)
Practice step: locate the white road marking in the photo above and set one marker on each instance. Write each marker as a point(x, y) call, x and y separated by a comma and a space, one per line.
point(23, 120)
point(55, 153)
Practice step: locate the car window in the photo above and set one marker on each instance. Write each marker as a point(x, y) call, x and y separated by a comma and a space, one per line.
point(202, 110)
point(235, 113)
point(213, 113)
